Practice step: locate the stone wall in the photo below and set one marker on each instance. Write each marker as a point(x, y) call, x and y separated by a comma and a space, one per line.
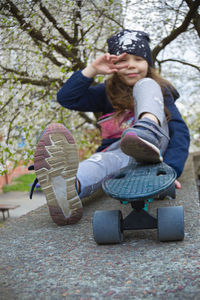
point(196, 163)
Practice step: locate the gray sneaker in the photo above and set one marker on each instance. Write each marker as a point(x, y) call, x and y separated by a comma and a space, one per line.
point(143, 141)
point(55, 164)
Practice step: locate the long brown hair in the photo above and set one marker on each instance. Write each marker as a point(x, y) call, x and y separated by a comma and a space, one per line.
point(120, 95)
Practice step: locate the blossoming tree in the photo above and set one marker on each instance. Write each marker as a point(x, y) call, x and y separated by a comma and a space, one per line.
point(44, 41)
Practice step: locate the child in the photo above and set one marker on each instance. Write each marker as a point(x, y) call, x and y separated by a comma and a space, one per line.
point(140, 121)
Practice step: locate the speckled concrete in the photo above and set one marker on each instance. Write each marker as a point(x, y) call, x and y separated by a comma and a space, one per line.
point(39, 260)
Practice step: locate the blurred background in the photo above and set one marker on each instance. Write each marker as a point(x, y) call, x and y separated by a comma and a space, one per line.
point(44, 41)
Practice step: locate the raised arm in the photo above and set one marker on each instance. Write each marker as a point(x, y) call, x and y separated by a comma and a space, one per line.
point(78, 94)
point(104, 65)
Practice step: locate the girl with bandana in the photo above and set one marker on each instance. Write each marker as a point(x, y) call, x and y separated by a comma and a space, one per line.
point(139, 121)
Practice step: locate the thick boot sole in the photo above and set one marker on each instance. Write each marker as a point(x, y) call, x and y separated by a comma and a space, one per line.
point(140, 149)
point(56, 163)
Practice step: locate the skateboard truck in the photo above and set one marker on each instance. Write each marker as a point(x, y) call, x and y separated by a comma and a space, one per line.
point(139, 218)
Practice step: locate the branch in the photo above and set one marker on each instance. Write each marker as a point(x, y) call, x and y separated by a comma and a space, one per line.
point(86, 118)
point(77, 15)
point(179, 61)
point(25, 26)
point(80, 125)
point(10, 99)
point(25, 79)
point(173, 35)
point(52, 58)
point(177, 14)
point(196, 19)
point(14, 71)
point(85, 32)
point(102, 12)
point(51, 19)
point(10, 125)
point(39, 82)
point(5, 104)
point(34, 34)
point(37, 36)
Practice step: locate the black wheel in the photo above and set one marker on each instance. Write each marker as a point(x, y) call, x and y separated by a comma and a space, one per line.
point(171, 192)
point(170, 223)
point(107, 226)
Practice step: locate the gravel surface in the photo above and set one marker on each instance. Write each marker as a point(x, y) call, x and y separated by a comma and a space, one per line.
point(39, 260)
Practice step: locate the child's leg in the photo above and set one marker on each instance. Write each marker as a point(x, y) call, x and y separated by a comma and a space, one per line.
point(148, 99)
point(92, 171)
point(56, 163)
point(148, 139)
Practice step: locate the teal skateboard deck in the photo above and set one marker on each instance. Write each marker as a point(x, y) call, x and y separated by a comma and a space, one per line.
point(139, 181)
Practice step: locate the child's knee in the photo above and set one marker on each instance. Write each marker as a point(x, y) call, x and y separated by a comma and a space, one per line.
point(146, 84)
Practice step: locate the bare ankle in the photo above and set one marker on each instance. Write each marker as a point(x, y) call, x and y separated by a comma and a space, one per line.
point(151, 117)
point(78, 186)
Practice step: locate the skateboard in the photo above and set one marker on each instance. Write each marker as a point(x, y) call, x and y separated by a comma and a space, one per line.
point(138, 185)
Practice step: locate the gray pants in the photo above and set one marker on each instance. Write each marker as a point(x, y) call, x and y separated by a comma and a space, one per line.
point(91, 172)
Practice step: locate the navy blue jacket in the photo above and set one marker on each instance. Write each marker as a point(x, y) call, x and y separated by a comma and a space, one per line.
point(78, 94)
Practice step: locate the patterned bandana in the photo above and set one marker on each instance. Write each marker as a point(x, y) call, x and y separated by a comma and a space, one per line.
point(132, 42)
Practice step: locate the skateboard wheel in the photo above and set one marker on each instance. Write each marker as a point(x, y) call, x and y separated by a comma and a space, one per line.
point(171, 192)
point(107, 227)
point(170, 223)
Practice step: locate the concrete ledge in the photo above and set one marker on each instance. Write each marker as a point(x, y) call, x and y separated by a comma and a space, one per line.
point(42, 261)
point(196, 164)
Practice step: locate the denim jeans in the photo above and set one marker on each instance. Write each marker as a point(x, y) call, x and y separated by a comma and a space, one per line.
point(91, 172)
